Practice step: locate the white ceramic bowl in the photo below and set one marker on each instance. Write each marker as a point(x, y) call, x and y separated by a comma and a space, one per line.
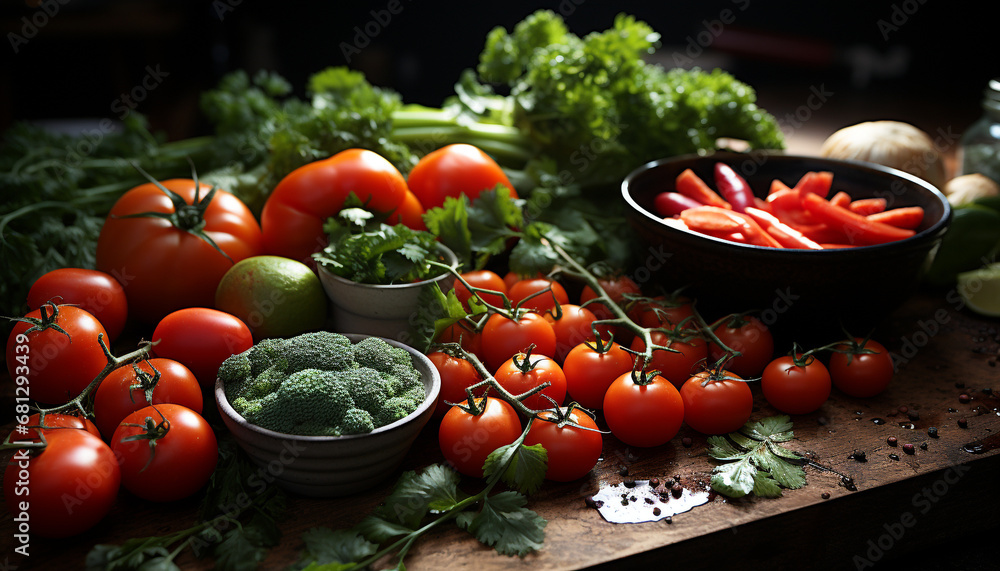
point(329, 466)
point(386, 311)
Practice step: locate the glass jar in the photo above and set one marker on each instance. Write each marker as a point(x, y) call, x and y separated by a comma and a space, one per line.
point(980, 145)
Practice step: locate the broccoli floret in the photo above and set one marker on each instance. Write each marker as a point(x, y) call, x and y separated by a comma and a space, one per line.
point(321, 350)
point(235, 369)
point(269, 412)
point(368, 389)
point(266, 383)
point(394, 363)
point(356, 421)
point(265, 354)
point(395, 409)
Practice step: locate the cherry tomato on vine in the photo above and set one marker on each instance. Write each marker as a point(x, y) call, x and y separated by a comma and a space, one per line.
point(55, 420)
point(114, 400)
point(543, 302)
point(751, 338)
point(456, 375)
point(661, 311)
point(91, 290)
point(677, 366)
point(572, 452)
point(455, 170)
point(504, 337)
point(796, 385)
point(186, 452)
point(462, 333)
point(162, 263)
point(572, 328)
point(590, 372)
point(523, 372)
point(643, 410)
point(861, 374)
point(72, 483)
point(617, 287)
point(484, 279)
point(466, 440)
point(293, 216)
point(201, 338)
point(716, 403)
point(50, 366)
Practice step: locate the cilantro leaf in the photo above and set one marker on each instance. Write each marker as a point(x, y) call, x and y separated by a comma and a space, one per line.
point(523, 466)
point(415, 495)
point(237, 551)
point(324, 546)
point(507, 525)
point(757, 464)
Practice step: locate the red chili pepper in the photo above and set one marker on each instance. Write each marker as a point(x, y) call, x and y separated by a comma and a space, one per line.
point(733, 187)
point(673, 203)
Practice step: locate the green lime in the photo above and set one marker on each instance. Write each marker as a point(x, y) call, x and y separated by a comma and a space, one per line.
point(981, 289)
point(274, 296)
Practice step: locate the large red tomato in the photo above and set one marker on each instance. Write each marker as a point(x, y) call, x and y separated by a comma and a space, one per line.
point(160, 259)
point(201, 338)
point(94, 291)
point(293, 216)
point(454, 170)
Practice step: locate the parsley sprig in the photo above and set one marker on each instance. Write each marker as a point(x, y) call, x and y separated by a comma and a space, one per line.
point(756, 462)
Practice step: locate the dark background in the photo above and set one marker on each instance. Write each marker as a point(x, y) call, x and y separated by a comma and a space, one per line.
point(930, 71)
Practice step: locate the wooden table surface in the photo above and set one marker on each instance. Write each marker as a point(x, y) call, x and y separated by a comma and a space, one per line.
point(934, 496)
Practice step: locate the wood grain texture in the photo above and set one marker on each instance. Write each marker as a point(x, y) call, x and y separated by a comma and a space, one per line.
point(931, 496)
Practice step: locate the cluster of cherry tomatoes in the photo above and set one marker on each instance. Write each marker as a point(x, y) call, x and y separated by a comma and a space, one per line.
point(702, 379)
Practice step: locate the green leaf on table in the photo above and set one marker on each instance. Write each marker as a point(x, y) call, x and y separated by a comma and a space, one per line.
point(324, 546)
point(757, 463)
point(415, 495)
point(526, 468)
point(506, 524)
point(237, 551)
point(129, 555)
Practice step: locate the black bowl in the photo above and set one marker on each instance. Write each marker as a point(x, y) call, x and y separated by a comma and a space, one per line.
point(852, 288)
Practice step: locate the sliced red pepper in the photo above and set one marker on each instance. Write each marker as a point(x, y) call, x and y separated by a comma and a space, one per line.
point(841, 199)
point(857, 228)
point(815, 182)
point(786, 205)
point(710, 219)
point(733, 187)
point(908, 217)
point(866, 206)
point(690, 184)
point(783, 233)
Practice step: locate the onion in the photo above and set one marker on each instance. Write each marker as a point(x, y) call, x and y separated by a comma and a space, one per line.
point(966, 188)
point(889, 143)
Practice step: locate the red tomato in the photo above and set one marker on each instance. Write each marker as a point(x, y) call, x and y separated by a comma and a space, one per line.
point(643, 411)
point(409, 213)
point(467, 440)
point(456, 375)
point(72, 484)
point(462, 333)
point(572, 328)
point(484, 279)
point(751, 338)
point(545, 301)
point(504, 337)
point(185, 456)
point(590, 373)
point(859, 374)
point(719, 406)
point(164, 267)
point(201, 338)
point(55, 420)
point(573, 452)
point(454, 170)
point(522, 372)
point(91, 290)
point(676, 366)
point(293, 216)
point(661, 311)
point(794, 388)
point(53, 367)
point(617, 288)
point(114, 400)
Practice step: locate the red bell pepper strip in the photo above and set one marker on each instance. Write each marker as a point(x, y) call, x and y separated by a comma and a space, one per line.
point(841, 199)
point(815, 182)
point(733, 187)
point(908, 217)
point(866, 206)
point(673, 203)
point(690, 184)
point(711, 219)
point(786, 235)
point(857, 228)
point(787, 206)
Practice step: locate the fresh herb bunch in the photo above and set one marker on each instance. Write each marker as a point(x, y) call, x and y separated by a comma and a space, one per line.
point(367, 251)
point(757, 462)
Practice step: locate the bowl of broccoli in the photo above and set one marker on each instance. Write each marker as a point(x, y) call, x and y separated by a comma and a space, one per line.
point(327, 414)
